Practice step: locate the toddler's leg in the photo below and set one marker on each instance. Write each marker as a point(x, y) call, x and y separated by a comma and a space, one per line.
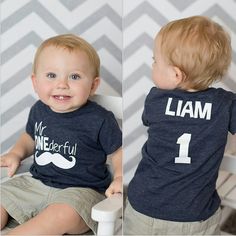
point(4, 217)
point(53, 220)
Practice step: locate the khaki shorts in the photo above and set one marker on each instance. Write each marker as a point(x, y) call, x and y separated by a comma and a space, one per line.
point(136, 223)
point(24, 197)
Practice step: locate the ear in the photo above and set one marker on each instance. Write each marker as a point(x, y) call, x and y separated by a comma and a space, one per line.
point(179, 75)
point(95, 84)
point(33, 79)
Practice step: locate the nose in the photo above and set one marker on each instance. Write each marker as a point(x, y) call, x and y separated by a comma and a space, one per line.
point(62, 83)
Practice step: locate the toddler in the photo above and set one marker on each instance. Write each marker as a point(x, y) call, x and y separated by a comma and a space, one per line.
point(174, 188)
point(70, 138)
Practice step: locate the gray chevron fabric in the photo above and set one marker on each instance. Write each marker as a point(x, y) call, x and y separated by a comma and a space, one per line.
point(122, 31)
point(141, 21)
point(26, 23)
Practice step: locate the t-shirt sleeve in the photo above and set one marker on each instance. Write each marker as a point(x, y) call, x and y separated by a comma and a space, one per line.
point(144, 117)
point(30, 124)
point(110, 136)
point(146, 109)
point(232, 124)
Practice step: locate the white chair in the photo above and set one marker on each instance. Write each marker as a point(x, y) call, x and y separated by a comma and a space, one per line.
point(108, 212)
point(226, 182)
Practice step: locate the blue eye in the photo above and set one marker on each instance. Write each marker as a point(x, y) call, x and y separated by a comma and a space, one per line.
point(51, 75)
point(74, 77)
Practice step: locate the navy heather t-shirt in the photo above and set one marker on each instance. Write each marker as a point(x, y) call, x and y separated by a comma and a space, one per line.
point(71, 148)
point(187, 134)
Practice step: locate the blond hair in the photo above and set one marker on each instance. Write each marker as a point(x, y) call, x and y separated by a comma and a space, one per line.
point(71, 43)
point(199, 47)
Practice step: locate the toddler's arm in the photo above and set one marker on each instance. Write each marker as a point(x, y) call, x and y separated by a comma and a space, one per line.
point(231, 144)
point(116, 184)
point(23, 148)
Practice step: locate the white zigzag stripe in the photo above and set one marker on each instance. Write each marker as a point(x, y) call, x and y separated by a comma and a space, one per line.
point(132, 150)
point(128, 124)
point(197, 8)
point(102, 27)
point(11, 98)
point(16, 63)
point(44, 31)
point(71, 18)
point(115, 5)
point(232, 70)
point(229, 7)
point(139, 88)
point(108, 59)
point(143, 55)
point(12, 125)
point(165, 6)
point(105, 88)
point(30, 23)
point(11, 6)
point(129, 6)
point(133, 31)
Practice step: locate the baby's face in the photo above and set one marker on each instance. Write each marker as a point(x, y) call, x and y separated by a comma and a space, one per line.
point(163, 74)
point(64, 79)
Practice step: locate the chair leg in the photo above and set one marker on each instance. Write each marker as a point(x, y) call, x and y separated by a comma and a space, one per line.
point(106, 228)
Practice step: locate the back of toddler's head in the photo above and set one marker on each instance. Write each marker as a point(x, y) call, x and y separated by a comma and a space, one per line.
point(199, 47)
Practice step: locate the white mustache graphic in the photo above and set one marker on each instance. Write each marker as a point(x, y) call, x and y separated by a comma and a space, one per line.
point(56, 158)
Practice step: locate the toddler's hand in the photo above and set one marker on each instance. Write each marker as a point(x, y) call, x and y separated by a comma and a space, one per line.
point(115, 187)
point(12, 161)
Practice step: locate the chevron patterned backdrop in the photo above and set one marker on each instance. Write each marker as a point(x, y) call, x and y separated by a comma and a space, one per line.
point(141, 21)
point(26, 23)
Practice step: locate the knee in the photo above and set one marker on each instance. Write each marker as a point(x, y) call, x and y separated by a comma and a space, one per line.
point(68, 218)
point(4, 217)
point(62, 212)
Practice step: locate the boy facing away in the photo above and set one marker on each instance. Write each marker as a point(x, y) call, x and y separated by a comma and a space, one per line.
point(70, 138)
point(173, 190)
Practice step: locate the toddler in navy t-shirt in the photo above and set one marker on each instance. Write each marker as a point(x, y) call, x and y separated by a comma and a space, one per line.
point(70, 138)
point(173, 189)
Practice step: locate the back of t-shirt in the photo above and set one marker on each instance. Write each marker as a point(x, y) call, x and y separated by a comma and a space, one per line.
point(187, 134)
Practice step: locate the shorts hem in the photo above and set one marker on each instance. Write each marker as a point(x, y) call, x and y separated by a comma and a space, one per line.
point(14, 211)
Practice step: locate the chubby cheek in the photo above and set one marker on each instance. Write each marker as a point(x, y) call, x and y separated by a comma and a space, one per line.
point(82, 92)
point(42, 89)
point(83, 95)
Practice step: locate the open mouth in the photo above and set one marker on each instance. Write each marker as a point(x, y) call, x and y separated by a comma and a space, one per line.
point(61, 97)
